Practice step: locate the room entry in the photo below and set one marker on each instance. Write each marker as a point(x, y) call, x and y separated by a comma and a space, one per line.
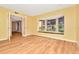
point(16, 25)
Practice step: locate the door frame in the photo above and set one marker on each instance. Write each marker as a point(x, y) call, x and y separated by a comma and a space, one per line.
point(10, 25)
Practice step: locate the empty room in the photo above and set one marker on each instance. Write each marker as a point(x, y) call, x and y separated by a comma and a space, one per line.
point(39, 29)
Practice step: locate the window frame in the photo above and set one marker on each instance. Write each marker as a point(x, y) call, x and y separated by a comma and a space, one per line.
point(57, 28)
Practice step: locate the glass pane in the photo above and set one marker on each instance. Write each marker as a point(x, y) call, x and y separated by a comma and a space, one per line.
point(42, 28)
point(42, 22)
point(61, 24)
point(51, 25)
point(41, 25)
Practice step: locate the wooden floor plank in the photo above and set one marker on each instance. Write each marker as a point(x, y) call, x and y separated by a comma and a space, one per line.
point(37, 45)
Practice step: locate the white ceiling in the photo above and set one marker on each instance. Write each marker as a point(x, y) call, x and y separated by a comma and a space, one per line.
point(35, 9)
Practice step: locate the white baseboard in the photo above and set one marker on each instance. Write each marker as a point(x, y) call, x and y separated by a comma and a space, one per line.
point(69, 40)
point(47, 37)
point(4, 39)
point(59, 38)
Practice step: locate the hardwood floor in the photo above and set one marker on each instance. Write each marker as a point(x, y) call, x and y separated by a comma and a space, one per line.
point(37, 45)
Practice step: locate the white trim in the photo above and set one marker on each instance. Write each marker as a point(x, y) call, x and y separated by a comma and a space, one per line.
point(69, 40)
point(23, 26)
point(56, 25)
point(59, 38)
point(4, 39)
point(10, 27)
point(45, 36)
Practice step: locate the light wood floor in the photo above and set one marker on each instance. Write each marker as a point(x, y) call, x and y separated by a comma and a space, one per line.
point(37, 45)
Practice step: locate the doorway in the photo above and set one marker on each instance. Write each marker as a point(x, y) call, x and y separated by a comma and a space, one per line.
point(16, 25)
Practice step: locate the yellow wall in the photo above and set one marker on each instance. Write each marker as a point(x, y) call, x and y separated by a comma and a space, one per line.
point(4, 19)
point(70, 30)
point(3, 23)
point(70, 23)
point(77, 27)
point(31, 22)
point(24, 17)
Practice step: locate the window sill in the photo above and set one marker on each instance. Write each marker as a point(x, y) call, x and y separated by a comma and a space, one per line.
point(51, 32)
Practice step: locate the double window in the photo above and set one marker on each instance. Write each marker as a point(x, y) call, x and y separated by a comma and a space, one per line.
point(52, 25)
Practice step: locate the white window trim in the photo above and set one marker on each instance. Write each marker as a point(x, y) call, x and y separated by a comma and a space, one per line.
point(57, 31)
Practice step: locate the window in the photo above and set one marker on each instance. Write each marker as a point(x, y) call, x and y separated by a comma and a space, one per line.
point(42, 25)
point(61, 24)
point(52, 25)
